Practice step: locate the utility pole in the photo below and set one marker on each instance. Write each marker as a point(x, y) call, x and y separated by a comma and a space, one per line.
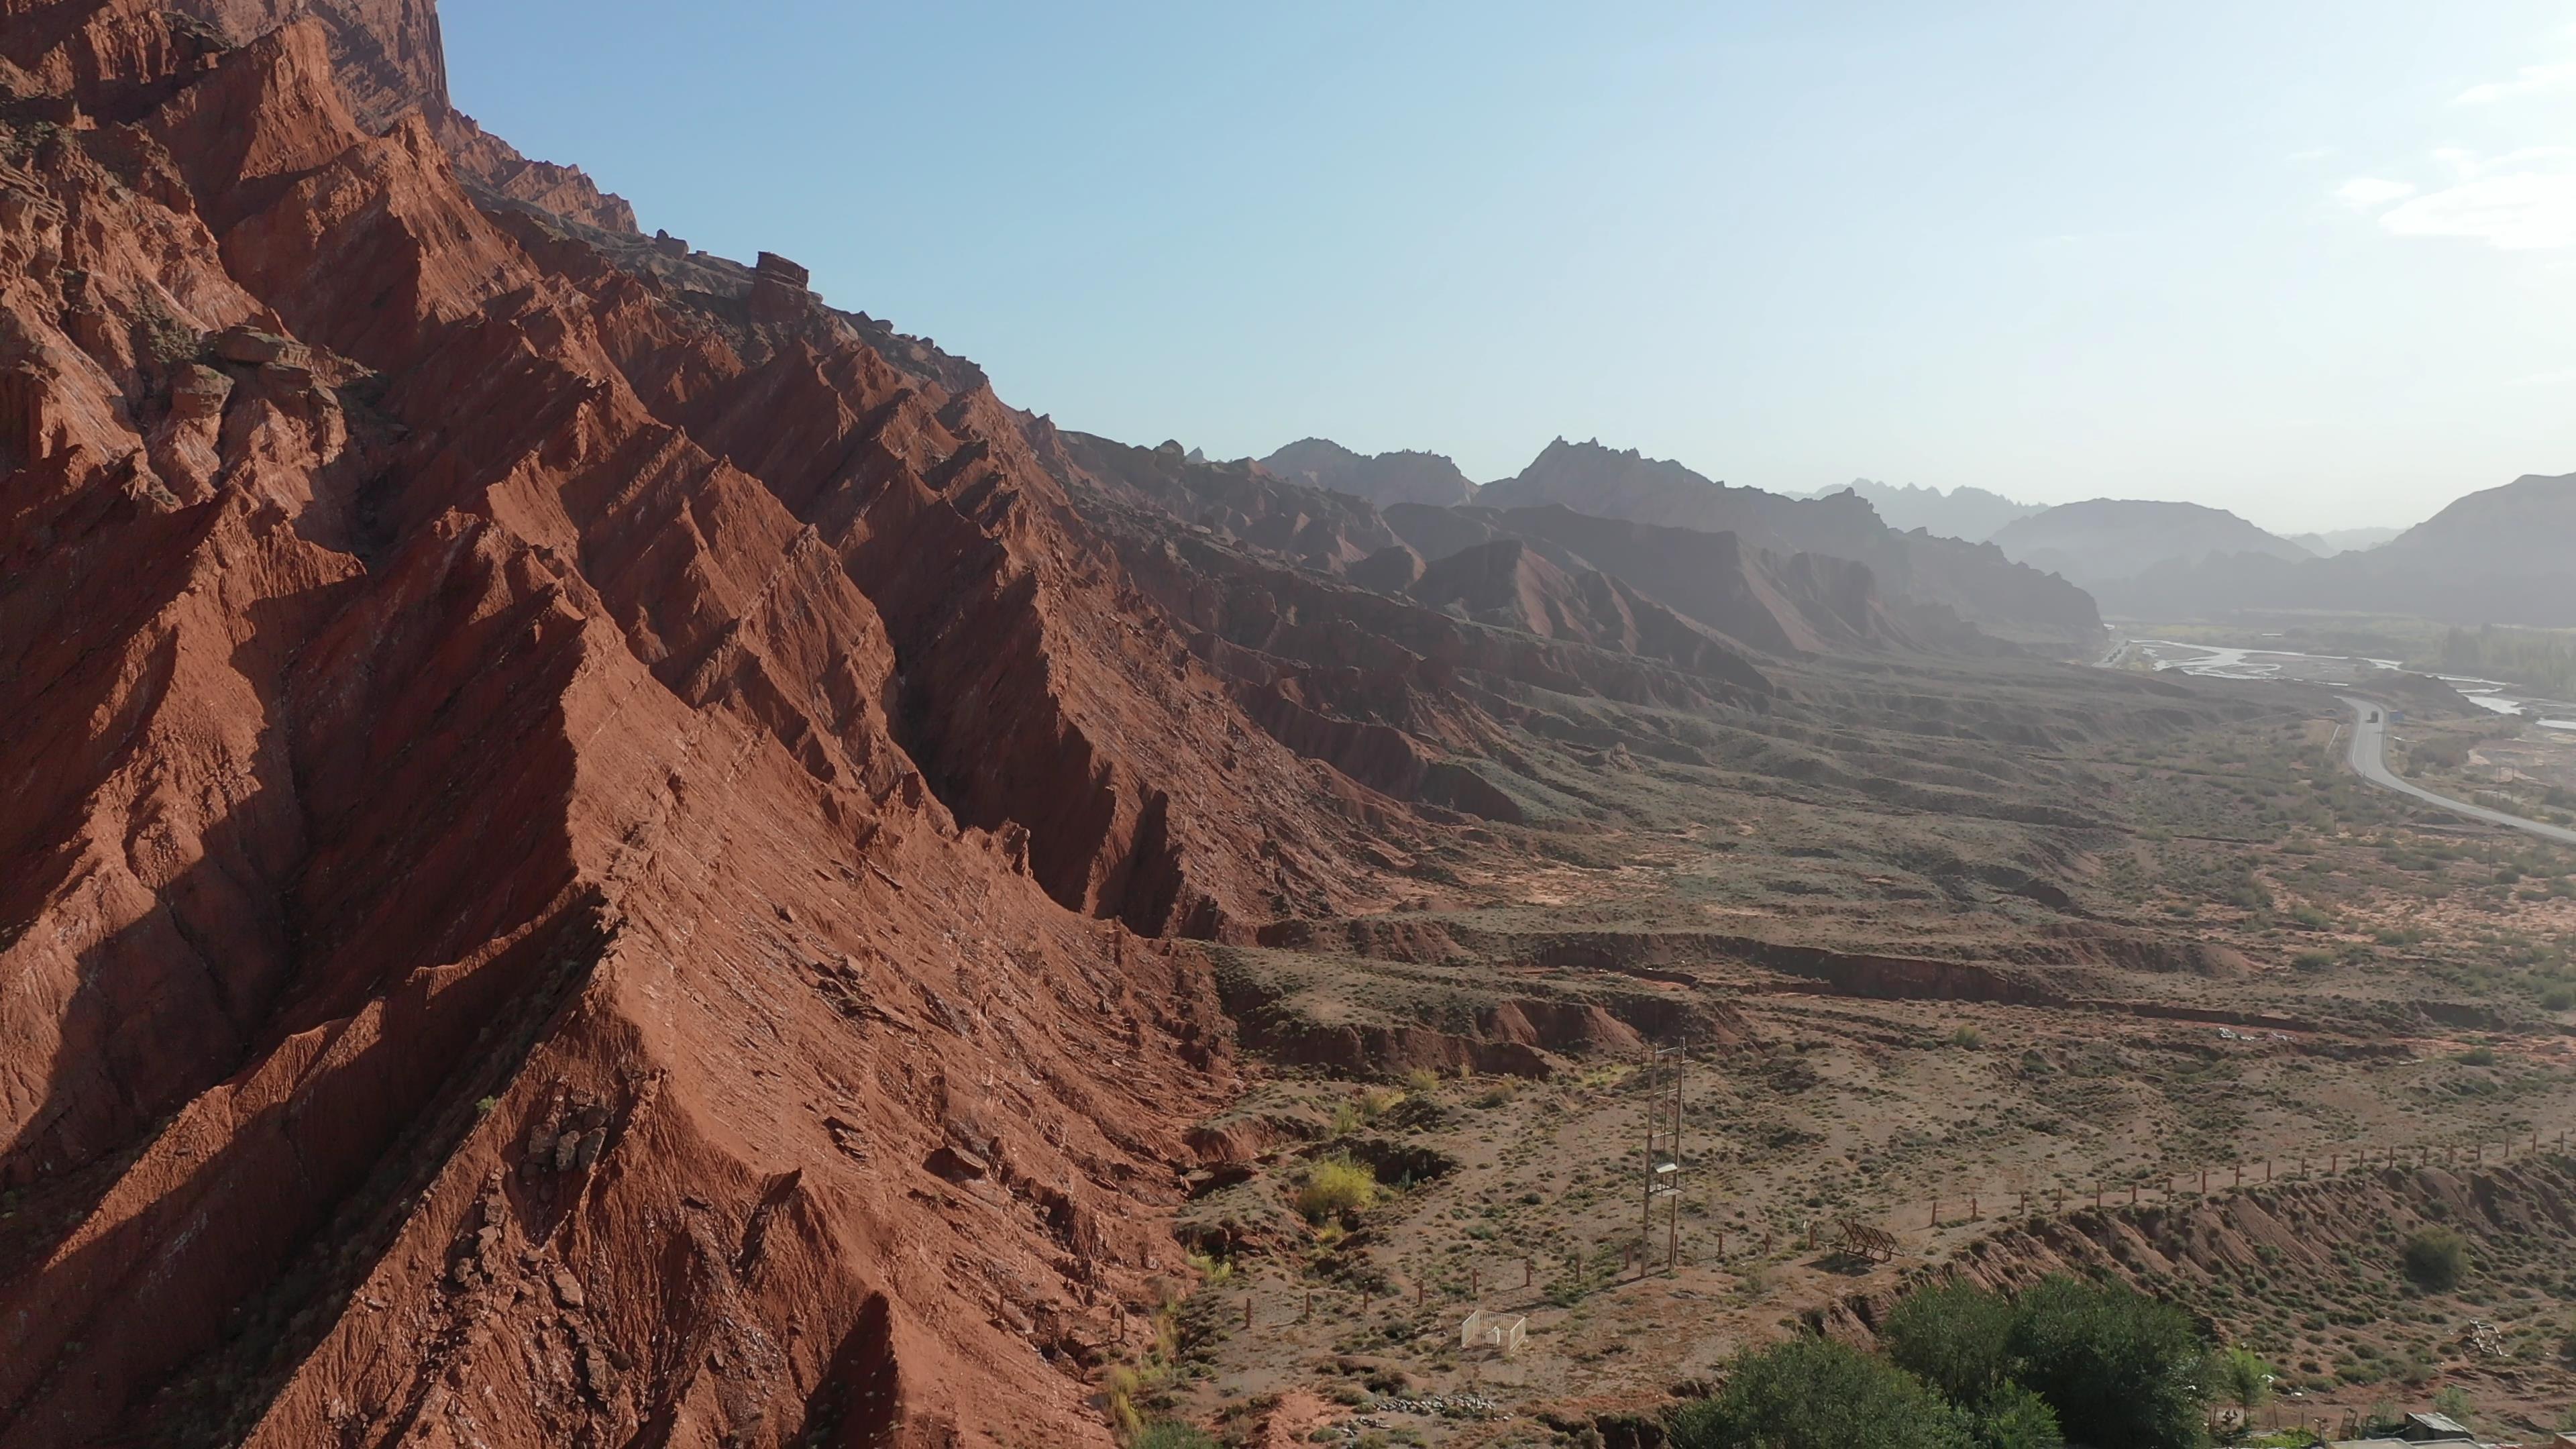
point(1663, 1165)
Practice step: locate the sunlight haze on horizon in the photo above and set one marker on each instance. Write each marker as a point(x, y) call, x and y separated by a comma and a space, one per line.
point(2311, 262)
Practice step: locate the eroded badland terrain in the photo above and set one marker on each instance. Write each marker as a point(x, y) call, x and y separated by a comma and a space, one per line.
point(598, 852)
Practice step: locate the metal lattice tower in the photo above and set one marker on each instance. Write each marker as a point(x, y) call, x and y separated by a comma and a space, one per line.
point(1665, 1069)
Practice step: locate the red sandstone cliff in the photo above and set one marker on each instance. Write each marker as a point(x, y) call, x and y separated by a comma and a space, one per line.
point(389, 60)
point(577, 854)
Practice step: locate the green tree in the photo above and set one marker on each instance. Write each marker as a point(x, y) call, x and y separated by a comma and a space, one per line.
point(2013, 1417)
point(1812, 1393)
point(1956, 1337)
point(2453, 1403)
point(2117, 1366)
point(2241, 1378)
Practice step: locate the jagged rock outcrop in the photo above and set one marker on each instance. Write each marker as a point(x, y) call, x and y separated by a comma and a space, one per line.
point(1382, 478)
point(1962, 512)
point(1401, 697)
point(1239, 501)
point(496, 166)
point(1806, 603)
point(1507, 582)
point(387, 55)
point(576, 851)
point(389, 60)
point(1973, 580)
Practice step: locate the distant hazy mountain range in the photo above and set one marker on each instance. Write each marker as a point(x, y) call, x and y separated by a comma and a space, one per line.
point(1970, 513)
point(2504, 556)
point(2344, 540)
point(2109, 539)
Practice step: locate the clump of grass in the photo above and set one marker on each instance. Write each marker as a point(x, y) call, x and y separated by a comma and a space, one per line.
point(1421, 1081)
point(1968, 1038)
point(1333, 1187)
point(1127, 1390)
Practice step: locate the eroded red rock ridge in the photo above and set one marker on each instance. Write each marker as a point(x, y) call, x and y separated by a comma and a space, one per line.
point(583, 859)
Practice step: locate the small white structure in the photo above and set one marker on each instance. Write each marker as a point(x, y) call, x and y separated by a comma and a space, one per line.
point(1493, 1330)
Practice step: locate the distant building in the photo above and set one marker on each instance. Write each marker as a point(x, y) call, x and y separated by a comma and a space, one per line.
point(2427, 1431)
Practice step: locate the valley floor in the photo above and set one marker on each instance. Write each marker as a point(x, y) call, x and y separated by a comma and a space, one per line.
point(1956, 989)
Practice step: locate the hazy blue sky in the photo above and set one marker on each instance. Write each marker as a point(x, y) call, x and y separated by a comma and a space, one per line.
point(2312, 260)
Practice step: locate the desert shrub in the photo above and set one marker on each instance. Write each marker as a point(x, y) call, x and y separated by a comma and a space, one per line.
point(1335, 1186)
point(1422, 1081)
point(2312, 962)
point(1363, 1109)
point(2453, 1403)
point(1170, 1434)
point(2436, 1259)
point(2479, 1056)
point(2117, 1366)
point(1956, 1337)
point(1813, 1393)
point(1968, 1037)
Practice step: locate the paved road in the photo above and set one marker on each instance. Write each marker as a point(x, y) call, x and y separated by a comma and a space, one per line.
point(2369, 759)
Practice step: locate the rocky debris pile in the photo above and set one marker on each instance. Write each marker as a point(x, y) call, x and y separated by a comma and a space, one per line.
point(1373, 1417)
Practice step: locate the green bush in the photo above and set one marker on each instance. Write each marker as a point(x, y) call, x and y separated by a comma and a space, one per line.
point(1170, 1434)
point(1335, 1186)
point(2436, 1259)
point(1956, 1337)
point(1813, 1393)
point(2117, 1366)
